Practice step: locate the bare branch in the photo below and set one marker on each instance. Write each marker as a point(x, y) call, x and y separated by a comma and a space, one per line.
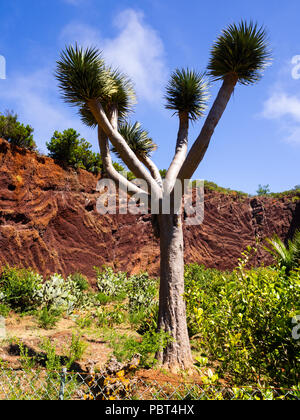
point(111, 172)
point(200, 146)
point(150, 165)
point(180, 153)
point(126, 154)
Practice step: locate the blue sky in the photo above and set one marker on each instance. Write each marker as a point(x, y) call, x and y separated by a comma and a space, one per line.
point(258, 138)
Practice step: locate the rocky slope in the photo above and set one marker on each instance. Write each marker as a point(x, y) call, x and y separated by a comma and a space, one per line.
point(48, 222)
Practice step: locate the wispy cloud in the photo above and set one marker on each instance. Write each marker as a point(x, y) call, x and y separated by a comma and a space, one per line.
point(280, 104)
point(136, 50)
point(35, 99)
point(74, 2)
point(283, 105)
point(285, 110)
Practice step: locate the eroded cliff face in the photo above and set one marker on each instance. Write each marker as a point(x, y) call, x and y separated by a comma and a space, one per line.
point(48, 221)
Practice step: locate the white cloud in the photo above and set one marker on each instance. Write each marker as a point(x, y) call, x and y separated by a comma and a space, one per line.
point(74, 2)
point(281, 104)
point(34, 97)
point(286, 109)
point(137, 50)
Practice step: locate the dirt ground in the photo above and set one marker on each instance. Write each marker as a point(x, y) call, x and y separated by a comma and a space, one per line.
point(26, 330)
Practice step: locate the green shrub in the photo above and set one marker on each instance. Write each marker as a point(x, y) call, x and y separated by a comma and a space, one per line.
point(114, 285)
point(243, 320)
point(15, 132)
point(71, 150)
point(125, 347)
point(81, 281)
point(142, 291)
point(146, 320)
point(287, 257)
point(263, 190)
point(18, 287)
point(4, 309)
point(214, 187)
point(76, 350)
point(102, 298)
point(111, 317)
point(61, 294)
point(48, 318)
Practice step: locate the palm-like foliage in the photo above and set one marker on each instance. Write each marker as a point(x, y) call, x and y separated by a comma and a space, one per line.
point(241, 49)
point(187, 92)
point(137, 139)
point(82, 76)
point(286, 256)
point(123, 98)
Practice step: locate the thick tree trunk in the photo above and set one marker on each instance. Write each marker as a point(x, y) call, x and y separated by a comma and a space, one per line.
point(172, 308)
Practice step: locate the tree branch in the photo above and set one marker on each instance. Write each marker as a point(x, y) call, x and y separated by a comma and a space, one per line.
point(126, 154)
point(150, 165)
point(111, 172)
point(180, 153)
point(200, 146)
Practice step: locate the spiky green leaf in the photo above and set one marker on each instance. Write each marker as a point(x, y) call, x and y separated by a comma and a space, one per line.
point(240, 49)
point(187, 92)
point(137, 138)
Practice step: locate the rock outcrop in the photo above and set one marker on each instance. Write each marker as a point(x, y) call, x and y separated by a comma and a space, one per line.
point(48, 221)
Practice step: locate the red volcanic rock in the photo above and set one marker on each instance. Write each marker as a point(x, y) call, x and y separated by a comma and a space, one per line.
point(48, 221)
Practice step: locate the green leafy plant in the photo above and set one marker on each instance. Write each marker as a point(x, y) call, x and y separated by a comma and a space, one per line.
point(61, 294)
point(142, 292)
point(287, 257)
point(112, 284)
point(48, 318)
point(18, 288)
point(4, 309)
point(125, 347)
point(111, 317)
point(263, 190)
point(243, 319)
point(81, 281)
point(76, 350)
point(71, 150)
point(15, 132)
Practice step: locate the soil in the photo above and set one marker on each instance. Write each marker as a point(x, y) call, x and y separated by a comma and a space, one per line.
point(25, 330)
point(49, 222)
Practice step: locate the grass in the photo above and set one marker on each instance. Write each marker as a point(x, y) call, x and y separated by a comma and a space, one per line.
point(228, 315)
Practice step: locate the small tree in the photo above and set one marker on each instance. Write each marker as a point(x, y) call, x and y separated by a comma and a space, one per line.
point(15, 132)
point(71, 150)
point(263, 189)
point(104, 98)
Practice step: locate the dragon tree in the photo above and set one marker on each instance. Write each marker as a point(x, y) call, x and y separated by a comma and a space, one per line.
point(105, 98)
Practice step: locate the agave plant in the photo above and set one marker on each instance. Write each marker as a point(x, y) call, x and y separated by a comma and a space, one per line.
point(286, 256)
